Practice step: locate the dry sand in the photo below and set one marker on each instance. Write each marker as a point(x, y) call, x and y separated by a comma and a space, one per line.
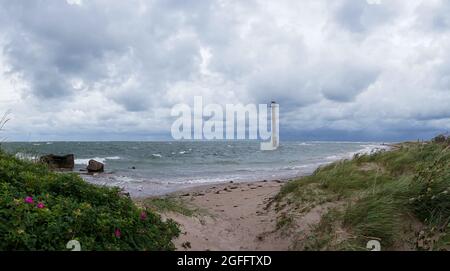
point(233, 216)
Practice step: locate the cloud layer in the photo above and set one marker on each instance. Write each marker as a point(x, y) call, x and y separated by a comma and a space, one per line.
point(110, 70)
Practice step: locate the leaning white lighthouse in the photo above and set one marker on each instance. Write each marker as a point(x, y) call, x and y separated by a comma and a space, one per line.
point(275, 138)
point(275, 124)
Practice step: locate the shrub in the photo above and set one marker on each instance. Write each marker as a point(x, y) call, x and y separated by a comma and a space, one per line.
point(440, 139)
point(42, 210)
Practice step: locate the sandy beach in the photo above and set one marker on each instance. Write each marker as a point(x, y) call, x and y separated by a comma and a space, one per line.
point(232, 216)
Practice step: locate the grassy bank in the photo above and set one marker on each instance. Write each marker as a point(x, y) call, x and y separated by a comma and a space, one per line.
point(169, 204)
point(43, 210)
point(399, 197)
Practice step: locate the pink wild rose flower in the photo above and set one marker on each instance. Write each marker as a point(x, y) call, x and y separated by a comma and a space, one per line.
point(29, 200)
point(143, 216)
point(117, 233)
point(41, 205)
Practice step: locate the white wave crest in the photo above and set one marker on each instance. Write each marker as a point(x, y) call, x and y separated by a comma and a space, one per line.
point(85, 161)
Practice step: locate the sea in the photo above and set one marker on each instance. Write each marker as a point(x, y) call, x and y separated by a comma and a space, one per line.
point(157, 168)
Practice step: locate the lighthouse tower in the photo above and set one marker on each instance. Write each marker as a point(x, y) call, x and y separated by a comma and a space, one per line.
point(275, 139)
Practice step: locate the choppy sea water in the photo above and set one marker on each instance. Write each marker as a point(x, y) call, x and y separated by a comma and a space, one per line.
point(164, 167)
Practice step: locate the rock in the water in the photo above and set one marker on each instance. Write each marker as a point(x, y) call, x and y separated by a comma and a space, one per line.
point(95, 166)
point(59, 162)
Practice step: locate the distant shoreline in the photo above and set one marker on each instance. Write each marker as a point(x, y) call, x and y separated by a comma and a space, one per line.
point(153, 169)
point(192, 188)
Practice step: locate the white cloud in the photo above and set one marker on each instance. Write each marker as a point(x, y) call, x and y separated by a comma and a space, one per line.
point(341, 69)
point(75, 2)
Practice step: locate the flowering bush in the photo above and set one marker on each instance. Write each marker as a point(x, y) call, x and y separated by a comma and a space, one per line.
point(42, 210)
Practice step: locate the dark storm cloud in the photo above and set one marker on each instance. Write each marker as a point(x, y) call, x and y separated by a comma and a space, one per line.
point(346, 82)
point(346, 68)
point(51, 43)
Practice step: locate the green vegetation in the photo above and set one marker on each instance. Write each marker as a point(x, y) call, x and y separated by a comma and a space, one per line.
point(169, 204)
point(400, 197)
point(43, 210)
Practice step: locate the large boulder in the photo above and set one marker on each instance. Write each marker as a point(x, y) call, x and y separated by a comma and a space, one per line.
point(95, 167)
point(59, 162)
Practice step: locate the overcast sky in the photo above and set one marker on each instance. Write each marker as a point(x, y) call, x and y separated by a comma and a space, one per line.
point(112, 70)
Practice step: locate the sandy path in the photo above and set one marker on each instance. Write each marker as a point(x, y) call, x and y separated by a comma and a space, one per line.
point(235, 218)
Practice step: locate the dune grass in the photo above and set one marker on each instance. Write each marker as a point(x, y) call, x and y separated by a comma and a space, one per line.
point(169, 204)
point(400, 197)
